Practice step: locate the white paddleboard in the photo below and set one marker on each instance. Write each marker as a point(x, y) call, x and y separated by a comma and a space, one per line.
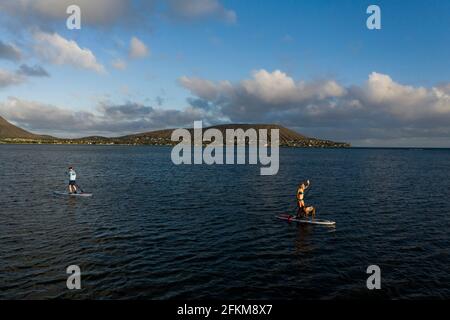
point(64, 193)
point(290, 218)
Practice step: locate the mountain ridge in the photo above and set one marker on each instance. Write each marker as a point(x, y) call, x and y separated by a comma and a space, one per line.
point(8, 130)
point(10, 133)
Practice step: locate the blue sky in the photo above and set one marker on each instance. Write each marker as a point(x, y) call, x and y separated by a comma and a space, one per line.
point(218, 48)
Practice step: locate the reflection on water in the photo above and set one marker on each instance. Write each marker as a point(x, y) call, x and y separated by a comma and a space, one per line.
point(303, 239)
point(156, 230)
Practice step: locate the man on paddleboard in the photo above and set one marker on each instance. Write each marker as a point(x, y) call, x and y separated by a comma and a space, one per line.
point(72, 181)
point(303, 210)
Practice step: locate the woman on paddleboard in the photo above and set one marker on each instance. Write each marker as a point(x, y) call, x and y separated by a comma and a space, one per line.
point(303, 210)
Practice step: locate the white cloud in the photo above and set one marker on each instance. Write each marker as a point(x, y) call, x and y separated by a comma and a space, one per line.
point(201, 9)
point(25, 111)
point(98, 12)
point(8, 79)
point(378, 109)
point(106, 119)
point(406, 102)
point(105, 14)
point(138, 49)
point(57, 50)
point(119, 64)
point(278, 88)
point(205, 89)
point(275, 88)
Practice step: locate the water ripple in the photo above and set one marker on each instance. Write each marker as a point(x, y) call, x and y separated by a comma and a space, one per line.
point(153, 230)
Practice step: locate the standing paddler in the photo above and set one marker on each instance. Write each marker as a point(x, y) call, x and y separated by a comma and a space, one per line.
point(72, 181)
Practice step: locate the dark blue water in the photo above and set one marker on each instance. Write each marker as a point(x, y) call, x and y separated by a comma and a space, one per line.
point(155, 230)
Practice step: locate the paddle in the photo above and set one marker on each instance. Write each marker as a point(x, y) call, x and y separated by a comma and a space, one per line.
point(80, 188)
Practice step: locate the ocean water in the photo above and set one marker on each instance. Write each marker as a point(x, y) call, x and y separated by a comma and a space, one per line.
point(154, 230)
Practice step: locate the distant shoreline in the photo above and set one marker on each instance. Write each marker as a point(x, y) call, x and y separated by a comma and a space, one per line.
point(2, 142)
point(11, 134)
point(36, 142)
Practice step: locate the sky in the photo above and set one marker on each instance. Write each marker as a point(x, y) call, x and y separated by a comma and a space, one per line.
point(312, 66)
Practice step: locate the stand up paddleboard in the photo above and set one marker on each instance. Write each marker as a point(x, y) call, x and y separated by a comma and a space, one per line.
point(290, 218)
point(64, 193)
